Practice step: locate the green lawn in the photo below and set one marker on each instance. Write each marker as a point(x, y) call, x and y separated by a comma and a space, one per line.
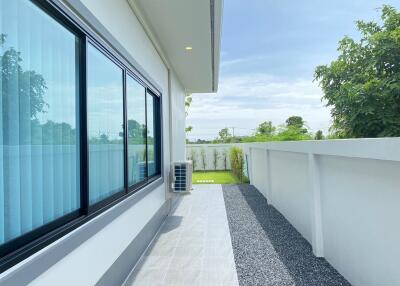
point(214, 177)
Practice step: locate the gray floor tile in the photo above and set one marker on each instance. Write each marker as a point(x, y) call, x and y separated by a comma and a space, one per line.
point(194, 245)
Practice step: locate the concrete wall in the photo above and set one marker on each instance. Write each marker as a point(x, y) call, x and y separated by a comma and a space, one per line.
point(342, 196)
point(209, 151)
point(86, 264)
point(178, 120)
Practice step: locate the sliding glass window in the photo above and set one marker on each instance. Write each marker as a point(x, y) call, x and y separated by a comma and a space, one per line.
point(39, 151)
point(136, 114)
point(105, 126)
point(152, 134)
point(61, 162)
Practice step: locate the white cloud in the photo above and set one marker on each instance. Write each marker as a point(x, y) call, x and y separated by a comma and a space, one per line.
point(245, 101)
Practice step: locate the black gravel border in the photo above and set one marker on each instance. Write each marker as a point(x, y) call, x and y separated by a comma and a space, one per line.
point(268, 250)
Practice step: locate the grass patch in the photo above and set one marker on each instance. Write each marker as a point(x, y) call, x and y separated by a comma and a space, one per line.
point(214, 177)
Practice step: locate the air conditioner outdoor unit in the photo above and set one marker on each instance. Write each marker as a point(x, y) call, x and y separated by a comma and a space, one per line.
point(182, 176)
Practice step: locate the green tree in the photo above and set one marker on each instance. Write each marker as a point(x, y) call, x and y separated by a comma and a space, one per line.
point(224, 134)
point(362, 86)
point(21, 93)
point(293, 130)
point(296, 123)
point(136, 132)
point(266, 128)
point(319, 135)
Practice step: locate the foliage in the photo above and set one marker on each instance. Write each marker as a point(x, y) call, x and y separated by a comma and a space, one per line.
point(362, 86)
point(224, 135)
point(266, 128)
point(319, 135)
point(296, 123)
point(236, 157)
point(215, 158)
point(23, 89)
point(294, 130)
point(136, 132)
point(292, 133)
point(225, 159)
point(193, 158)
point(203, 158)
point(188, 103)
point(188, 129)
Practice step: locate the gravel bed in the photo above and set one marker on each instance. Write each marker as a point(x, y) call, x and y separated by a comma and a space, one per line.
point(267, 248)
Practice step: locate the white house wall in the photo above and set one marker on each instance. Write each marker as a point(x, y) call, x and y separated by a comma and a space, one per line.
point(178, 119)
point(87, 263)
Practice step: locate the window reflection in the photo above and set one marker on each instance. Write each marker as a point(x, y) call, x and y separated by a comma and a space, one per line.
point(151, 136)
point(105, 126)
point(136, 109)
point(39, 179)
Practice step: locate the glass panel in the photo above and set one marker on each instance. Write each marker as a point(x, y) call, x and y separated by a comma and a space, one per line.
point(151, 152)
point(105, 126)
point(136, 111)
point(39, 166)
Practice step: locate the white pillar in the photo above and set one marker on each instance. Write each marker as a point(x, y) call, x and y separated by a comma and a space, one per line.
point(268, 176)
point(316, 212)
point(250, 166)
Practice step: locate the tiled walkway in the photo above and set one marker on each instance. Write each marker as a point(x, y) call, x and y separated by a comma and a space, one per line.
point(194, 245)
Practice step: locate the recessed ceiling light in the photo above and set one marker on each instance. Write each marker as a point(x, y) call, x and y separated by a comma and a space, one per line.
point(188, 48)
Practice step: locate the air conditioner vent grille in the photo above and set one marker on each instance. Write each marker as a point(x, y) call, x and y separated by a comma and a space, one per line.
point(182, 176)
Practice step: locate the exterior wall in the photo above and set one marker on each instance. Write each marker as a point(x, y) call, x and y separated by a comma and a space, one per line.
point(86, 264)
point(178, 119)
point(259, 161)
point(290, 188)
point(342, 196)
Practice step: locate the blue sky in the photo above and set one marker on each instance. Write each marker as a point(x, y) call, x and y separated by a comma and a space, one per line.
point(269, 52)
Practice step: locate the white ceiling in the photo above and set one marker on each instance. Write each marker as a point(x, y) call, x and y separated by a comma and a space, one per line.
point(177, 24)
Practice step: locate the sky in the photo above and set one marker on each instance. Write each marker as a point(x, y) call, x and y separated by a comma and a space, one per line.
point(269, 53)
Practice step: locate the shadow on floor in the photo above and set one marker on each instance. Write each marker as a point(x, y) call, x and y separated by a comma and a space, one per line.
point(172, 222)
point(268, 249)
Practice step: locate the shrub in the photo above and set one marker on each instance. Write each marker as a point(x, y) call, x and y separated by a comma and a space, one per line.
point(225, 159)
point(237, 162)
point(203, 158)
point(215, 158)
point(193, 157)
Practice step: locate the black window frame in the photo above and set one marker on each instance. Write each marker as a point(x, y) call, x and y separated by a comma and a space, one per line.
point(20, 248)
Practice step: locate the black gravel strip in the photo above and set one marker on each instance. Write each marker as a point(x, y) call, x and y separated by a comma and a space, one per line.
point(268, 250)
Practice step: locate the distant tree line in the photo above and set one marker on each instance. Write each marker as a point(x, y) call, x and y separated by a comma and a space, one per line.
point(294, 129)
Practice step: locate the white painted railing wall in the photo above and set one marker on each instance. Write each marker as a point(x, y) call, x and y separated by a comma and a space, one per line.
point(343, 196)
point(209, 155)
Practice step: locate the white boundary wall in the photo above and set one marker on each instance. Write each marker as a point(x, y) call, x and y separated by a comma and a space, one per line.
point(209, 152)
point(209, 155)
point(343, 196)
